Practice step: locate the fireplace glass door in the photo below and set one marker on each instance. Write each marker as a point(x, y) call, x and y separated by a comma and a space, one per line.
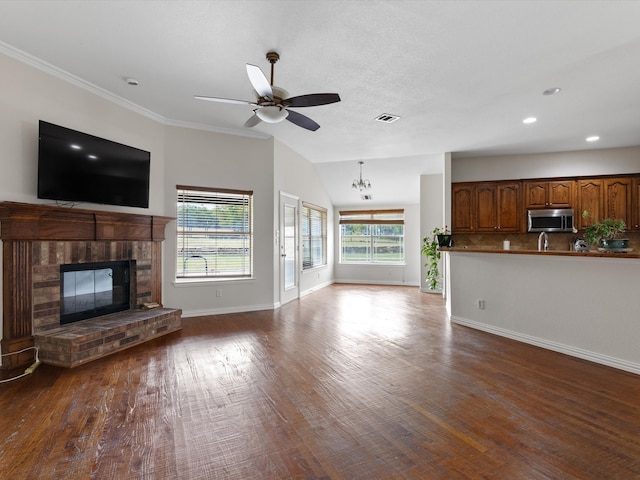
point(93, 289)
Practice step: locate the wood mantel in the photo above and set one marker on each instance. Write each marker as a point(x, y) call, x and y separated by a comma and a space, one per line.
point(29, 231)
point(24, 221)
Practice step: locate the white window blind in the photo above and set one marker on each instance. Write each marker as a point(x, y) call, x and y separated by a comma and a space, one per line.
point(314, 236)
point(214, 233)
point(372, 236)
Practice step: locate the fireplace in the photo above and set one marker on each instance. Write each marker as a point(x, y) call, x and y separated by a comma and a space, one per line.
point(39, 242)
point(90, 290)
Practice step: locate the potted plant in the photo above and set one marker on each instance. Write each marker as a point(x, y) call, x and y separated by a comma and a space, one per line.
point(439, 237)
point(606, 233)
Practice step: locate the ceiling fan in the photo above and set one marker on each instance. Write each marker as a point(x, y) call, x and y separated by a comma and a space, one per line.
point(273, 103)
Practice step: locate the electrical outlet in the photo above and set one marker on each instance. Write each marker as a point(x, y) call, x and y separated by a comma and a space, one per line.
point(218, 292)
point(480, 304)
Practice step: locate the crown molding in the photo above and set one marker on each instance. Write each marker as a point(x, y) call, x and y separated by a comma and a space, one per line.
point(57, 72)
point(211, 128)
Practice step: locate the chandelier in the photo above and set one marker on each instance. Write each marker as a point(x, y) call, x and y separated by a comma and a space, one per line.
point(359, 183)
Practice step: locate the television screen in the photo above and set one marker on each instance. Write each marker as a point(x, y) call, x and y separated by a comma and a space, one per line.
point(78, 167)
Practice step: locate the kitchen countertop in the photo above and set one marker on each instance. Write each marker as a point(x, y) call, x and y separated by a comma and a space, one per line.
point(564, 253)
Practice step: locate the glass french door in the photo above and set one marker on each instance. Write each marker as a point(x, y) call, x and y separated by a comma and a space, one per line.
point(289, 250)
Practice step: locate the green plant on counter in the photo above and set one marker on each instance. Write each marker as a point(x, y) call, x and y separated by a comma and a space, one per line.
point(604, 229)
point(430, 250)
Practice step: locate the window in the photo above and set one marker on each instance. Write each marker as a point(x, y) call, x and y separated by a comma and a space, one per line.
point(372, 236)
point(215, 237)
point(314, 236)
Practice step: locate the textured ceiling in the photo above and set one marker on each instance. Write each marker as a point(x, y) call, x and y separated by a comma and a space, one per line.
point(461, 74)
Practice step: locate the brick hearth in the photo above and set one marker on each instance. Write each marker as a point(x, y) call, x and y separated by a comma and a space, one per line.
point(77, 343)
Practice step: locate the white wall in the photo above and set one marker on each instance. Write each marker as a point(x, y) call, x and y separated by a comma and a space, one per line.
point(297, 176)
point(431, 216)
point(407, 274)
point(559, 164)
point(581, 306)
point(207, 159)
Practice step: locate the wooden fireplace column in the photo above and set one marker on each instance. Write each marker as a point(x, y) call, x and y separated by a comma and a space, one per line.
point(22, 224)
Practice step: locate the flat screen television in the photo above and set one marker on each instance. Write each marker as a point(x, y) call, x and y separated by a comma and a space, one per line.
point(78, 167)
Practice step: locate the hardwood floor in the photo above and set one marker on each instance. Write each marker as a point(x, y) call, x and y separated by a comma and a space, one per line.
point(350, 382)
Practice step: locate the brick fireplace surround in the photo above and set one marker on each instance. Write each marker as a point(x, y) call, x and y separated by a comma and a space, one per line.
point(36, 240)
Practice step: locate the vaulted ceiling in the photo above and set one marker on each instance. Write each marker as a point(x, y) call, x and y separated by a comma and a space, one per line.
point(461, 75)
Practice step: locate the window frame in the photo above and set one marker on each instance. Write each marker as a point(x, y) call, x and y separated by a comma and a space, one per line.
point(215, 196)
point(309, 237)
point(372, 219)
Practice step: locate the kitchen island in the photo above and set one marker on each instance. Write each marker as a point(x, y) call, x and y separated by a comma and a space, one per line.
point(581, 304)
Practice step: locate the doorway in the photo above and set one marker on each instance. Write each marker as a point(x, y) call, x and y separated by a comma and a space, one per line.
point(289, 250)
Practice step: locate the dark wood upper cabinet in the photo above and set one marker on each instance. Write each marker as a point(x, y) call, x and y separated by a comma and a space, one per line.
point(486, 196)
point(590, 198)
point(605, 198)
point(618, 193)
point(501, 206)
point(462, 217)
point(510, 212)
point(635, 204)
point(549, 194)
point(486, 207)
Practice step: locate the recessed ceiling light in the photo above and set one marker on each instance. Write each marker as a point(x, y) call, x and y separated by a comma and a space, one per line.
point(530, 120)
point(551, 91)
point(593, 138)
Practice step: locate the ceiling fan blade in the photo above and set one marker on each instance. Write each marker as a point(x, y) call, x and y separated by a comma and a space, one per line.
point(302, 121)
point(253, 121)
point(224, 100)
point(259, 81)
point(313, 99)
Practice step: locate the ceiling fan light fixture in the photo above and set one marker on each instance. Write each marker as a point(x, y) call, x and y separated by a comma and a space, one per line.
point(272, 113)
point(273, 102)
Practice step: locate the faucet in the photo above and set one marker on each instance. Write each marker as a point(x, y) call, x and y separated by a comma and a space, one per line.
point(543, 242)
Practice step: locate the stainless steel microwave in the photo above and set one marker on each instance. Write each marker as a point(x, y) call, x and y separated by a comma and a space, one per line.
point(550, 220)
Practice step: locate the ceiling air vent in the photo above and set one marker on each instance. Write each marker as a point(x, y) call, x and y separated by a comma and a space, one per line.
point(366, 197)
point(387, 118)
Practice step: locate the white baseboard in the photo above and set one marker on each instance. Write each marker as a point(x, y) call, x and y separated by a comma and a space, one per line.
point(220, 311)
point(550, 345)
point(245, 308)
point(376, 282)
point(426, 290)
point(315, 288)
